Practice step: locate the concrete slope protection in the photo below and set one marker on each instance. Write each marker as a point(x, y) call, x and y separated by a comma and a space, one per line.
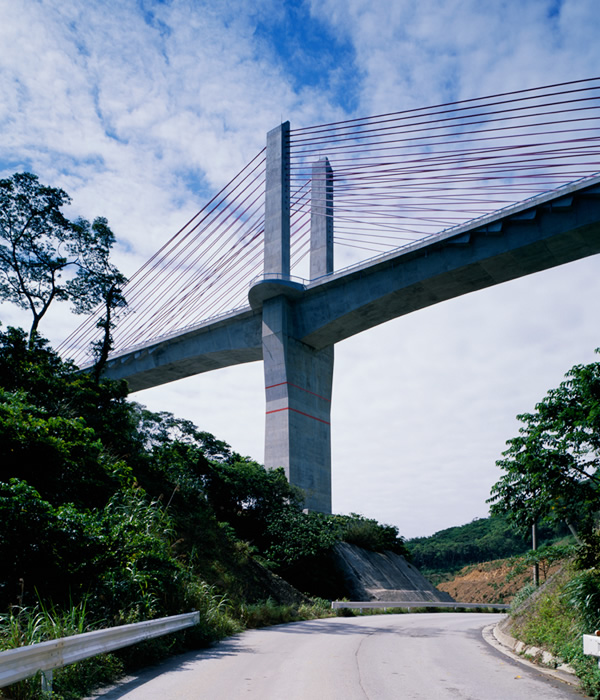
point(431, 655)
point(383, 576)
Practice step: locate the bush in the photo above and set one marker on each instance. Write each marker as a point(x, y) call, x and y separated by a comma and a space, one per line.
point(369, 534)
point(583, 593)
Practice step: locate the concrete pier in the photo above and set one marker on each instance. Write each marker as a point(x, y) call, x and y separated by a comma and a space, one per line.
point(298, 378)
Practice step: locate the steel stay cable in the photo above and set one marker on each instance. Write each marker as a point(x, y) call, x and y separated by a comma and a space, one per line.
point(459, 154)
point(138, 316)
point(361, 147)
point(397, 151)
point(232, 290)
point(210, 235)
point(443, 172)
point(176, 237)
point(418, 113)
point(448, 131)
point(230, 258)
point(181, 279)
point(446, 104)
point(517, 113)
point(169, 308)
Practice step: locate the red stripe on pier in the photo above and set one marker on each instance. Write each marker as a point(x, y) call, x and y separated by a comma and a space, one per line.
point(301, 389)
point(277, 410)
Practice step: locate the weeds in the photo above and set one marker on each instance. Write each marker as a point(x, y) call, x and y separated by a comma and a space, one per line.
point(270, 613)
point(522, 595)
point(556, 616)
point(23, 626)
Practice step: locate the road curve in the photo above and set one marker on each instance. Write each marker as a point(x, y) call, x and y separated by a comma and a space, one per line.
point(383, 657)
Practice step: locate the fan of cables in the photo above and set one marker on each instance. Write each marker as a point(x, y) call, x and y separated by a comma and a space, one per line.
point(404, 176)
point(201, 273)
point(397, 178)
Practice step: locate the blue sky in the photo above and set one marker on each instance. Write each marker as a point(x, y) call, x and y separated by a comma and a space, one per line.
point(142, 110)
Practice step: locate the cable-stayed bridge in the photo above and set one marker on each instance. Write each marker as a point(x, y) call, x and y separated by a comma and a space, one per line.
point(418, 206)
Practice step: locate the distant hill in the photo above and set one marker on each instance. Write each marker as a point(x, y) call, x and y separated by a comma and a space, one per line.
point(444, 553)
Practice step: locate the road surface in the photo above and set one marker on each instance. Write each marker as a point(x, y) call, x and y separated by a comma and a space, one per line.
point(425, 656)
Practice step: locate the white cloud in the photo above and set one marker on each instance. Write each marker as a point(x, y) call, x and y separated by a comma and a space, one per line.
point(416, 54)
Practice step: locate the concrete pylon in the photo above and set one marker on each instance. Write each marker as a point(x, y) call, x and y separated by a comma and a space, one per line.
point(298, 378)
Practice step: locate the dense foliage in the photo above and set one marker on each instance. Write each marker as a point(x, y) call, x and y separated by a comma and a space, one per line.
point(555, 617)
point(106, 500)
point(551, 476)
point(551, 467)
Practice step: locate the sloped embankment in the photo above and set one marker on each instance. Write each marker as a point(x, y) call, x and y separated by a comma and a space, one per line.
point(490, 582)
point(383, 576)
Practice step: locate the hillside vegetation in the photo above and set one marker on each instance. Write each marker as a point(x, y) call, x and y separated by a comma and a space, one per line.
point(550, 477)
point(554, 617)
point(442, 555)
point(114, 514)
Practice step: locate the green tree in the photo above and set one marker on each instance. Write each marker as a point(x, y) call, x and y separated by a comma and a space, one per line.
point(369, 534)
point(45, 257)
point(55, 388)
point(551, 467)
point(61, 458)
point(43, 547)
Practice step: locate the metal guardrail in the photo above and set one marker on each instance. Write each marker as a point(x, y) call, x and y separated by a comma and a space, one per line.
point(23, 662)
point(591, 645)
point(389, 604)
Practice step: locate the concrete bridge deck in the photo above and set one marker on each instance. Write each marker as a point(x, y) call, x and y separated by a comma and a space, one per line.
point(546, 231)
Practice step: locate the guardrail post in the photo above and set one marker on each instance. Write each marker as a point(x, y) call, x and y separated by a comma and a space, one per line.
point(47, 681)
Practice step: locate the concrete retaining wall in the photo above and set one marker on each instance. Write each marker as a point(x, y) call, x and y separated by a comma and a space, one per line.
point(383, 576)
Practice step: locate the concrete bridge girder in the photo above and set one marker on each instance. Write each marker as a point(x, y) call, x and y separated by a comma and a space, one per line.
point(230, 341)
point(348, 304)
point(438, 270)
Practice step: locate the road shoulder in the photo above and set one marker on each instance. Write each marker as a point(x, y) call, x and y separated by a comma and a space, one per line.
point(509, 646)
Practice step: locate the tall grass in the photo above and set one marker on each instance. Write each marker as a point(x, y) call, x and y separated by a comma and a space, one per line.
point(555, 616)
point(269, 612)
point(22, 626)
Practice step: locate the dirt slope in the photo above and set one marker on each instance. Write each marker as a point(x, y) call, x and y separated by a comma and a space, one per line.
point(486, 582)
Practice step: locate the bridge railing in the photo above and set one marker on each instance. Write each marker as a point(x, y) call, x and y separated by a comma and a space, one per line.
point(23, 662)
point(409, 604)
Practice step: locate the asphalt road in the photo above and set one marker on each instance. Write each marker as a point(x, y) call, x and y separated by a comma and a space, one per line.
point(413, 656)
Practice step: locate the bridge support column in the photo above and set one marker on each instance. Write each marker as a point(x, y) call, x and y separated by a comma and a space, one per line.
point(298, 381)
point(298, 378)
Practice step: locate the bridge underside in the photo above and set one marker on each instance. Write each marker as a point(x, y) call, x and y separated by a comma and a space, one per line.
point(548, 231)
point(229, 341)
point(529, 238)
